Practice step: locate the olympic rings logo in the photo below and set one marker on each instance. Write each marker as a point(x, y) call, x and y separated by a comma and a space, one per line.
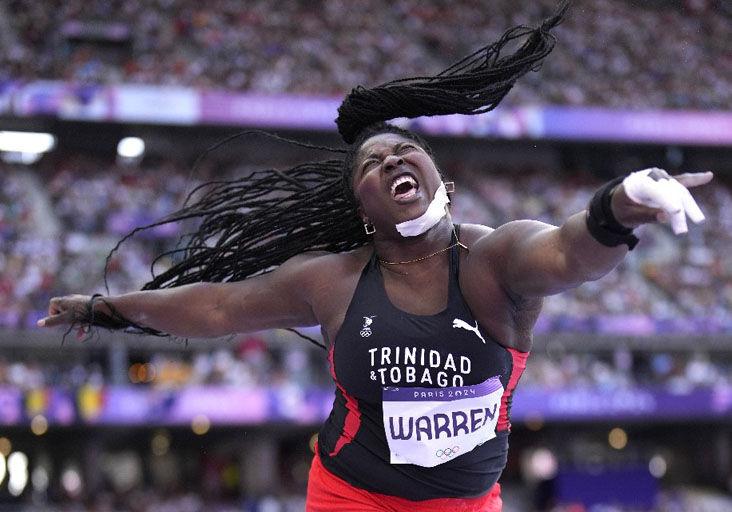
point(447, 452)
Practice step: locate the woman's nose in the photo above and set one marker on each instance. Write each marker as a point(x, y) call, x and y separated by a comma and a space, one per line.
point(391, 162)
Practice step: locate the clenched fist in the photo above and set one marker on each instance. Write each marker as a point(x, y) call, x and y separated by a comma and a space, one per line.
point(66, 310)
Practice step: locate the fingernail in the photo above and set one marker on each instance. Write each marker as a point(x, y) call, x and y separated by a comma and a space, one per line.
point(40, 323)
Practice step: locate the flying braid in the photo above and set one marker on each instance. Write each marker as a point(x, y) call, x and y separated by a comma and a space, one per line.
point(253, 224)
point(473, 85)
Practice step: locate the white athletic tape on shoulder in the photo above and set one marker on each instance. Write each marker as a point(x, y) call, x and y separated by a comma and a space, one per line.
point(666, 194)
point(435, 211)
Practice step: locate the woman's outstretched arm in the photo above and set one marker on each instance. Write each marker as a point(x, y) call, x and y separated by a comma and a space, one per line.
point(278, 299)
point(534, 259)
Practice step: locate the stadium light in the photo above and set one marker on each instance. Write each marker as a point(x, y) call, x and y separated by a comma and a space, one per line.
point(71, 481)
point(39, 479)
point(13, 157)
point(200, 424)
point(618, 438)
point(160, 443)
point(544, 464)
point(657, 466)
point(131, 147)
point(26, 142)
point(39, 425)
point(539, 464)
point(5, 446)
point(18, 471)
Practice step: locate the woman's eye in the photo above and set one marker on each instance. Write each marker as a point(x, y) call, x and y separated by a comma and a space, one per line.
point(405, 148)
point(368, 164)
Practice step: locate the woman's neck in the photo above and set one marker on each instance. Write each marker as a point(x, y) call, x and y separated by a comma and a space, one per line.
point(406, 249)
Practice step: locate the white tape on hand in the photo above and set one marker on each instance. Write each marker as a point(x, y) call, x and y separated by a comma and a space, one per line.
point(666, 194)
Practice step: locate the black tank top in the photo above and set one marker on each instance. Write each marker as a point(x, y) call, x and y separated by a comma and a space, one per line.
point(382, 352)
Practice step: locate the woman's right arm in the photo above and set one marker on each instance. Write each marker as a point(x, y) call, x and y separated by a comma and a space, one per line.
point(279, 299)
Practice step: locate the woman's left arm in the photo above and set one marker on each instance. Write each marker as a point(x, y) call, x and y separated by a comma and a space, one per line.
point(534, 259)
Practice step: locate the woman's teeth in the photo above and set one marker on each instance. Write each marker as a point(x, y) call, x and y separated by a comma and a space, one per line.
point(403, 186)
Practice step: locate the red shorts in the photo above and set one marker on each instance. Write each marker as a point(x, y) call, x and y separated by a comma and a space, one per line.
point(328, 493)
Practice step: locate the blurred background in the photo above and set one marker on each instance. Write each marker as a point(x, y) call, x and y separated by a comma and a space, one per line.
point(105, 105)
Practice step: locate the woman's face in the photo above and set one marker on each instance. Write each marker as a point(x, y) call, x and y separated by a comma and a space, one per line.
point(394, 180)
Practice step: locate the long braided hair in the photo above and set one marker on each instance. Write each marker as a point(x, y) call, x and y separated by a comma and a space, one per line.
point(251, 225)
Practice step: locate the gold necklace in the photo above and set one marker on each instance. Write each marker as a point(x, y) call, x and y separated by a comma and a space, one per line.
point(456, 244)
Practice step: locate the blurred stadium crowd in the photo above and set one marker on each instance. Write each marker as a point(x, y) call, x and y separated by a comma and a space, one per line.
point(57, 225)
point(252, 363)
point(272, 46)
point(58, 231)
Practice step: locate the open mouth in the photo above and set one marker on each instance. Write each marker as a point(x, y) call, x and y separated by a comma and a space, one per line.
point(404, 187)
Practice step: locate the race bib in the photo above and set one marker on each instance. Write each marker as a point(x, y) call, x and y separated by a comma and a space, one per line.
point(430, 426)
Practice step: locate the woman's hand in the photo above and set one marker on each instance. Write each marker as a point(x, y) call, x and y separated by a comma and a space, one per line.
point(652, 195)
point(65, 310)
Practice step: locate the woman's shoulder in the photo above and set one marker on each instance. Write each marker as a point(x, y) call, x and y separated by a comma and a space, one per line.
point(333, 264)
point(496, 240)
point(330, 280)
point(471, 233)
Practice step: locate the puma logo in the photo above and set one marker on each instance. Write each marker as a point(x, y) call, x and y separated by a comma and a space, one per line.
point(462, 324)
